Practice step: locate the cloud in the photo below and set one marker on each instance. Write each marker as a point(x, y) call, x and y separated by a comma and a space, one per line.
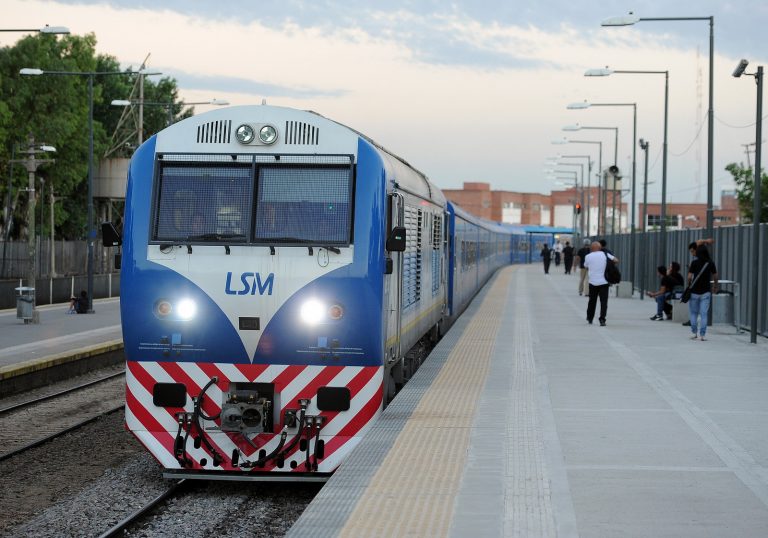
point(199, 82)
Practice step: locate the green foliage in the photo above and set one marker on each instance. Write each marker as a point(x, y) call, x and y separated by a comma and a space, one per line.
point(54, 109)
point(745, 191)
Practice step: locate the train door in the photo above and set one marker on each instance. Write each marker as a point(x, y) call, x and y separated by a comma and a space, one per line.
point(393, 297)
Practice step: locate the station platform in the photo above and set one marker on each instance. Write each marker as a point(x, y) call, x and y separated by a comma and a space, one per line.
point(58, 339)
point(526, 421)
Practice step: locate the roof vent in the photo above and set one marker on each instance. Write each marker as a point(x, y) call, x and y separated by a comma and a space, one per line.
point(300, 133)
point(214, 132)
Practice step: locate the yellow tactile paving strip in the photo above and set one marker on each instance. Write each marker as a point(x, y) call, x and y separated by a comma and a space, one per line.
point(413, 491)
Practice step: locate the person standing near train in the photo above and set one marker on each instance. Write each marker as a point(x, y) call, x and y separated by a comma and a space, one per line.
point(546, 256)
point(568, 257)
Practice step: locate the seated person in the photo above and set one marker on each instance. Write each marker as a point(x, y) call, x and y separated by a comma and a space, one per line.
point(81, 306)
point(666, 287)
point(674, 273)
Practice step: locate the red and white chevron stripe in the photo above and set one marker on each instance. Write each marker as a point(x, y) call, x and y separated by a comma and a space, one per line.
point(156, 427)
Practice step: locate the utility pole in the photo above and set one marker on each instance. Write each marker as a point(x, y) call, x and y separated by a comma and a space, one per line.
point(53, 254)
point(31, 163)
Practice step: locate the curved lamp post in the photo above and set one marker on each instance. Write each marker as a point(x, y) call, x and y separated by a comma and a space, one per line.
point(630, 19)
point(44, 30)
point(91, 235)
point(603, 202)
point(757, 177)
point(604, 72)
point(585, 104)
point(168, 105)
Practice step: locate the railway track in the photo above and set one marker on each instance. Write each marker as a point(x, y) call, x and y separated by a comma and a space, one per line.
point(139, 514)
point(31, 423)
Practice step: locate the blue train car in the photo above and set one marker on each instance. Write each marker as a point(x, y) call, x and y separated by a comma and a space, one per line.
point(282, 275)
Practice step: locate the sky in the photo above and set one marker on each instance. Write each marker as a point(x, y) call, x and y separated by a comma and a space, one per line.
point(465, 91)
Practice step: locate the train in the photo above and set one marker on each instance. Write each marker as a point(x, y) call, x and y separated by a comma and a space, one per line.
point(282, 276)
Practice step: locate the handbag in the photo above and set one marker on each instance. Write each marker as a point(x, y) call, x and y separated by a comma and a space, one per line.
point(686, 296)
point(612, 274)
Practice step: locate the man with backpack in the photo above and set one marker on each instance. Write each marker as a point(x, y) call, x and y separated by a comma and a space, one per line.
point(596, 262)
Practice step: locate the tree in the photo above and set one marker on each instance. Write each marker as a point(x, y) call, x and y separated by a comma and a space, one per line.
point(745, 191)
point(54, 109)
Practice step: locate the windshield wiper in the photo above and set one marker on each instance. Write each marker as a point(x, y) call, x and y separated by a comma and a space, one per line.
point(214, 237)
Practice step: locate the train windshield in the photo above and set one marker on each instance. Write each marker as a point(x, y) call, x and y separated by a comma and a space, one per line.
point(304, 204)
point(246, 201)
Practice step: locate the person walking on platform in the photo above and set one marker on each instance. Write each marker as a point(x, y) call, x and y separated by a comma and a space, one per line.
point(581, 255)
point(595, 263)
point(701, 271)
point(558, 253)
point(568, 257)
point(546, 256)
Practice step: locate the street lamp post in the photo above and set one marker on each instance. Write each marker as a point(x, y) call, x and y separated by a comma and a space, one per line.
point(603, 196)
point(589, 180)
point(168, 105)
point(585, 104)
point(31, 164)
point(579, 191)
point(644, 146)
point(757, 176)
point(631, 19)
point(607, 72)
point(44, 30)
point(91, 232)
point(581, 198)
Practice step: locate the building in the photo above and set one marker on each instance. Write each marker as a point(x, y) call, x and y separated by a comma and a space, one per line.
point(566, 208)
point(682, 216)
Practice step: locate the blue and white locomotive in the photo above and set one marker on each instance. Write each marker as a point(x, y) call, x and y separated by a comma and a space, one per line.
point(282, 276)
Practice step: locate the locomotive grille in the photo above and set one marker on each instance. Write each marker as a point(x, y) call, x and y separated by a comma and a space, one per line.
point(214, 132)
point(300, 133)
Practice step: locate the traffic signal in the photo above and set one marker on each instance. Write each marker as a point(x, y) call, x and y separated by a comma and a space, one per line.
point(578, 208)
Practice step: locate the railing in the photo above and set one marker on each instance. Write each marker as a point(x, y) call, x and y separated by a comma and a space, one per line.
point(60, 289)
point(731, 252)
point(70, 258)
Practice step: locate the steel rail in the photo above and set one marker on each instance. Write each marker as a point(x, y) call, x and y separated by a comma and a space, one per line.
point(39, 442)
point(138, 514)
point(60, 393)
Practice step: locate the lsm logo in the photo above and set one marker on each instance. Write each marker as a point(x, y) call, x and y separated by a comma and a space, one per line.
point(251, 283)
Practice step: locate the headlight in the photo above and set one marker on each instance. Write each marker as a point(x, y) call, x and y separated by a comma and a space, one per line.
point(336, 312)
point(245, 134)
point(163, 308)
point(268, 134)
point(186, 309)
point(312, 312)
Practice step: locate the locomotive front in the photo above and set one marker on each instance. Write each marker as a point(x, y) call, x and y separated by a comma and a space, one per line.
point(252, 287)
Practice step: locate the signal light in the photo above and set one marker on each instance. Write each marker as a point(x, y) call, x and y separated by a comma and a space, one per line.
point(578, 208)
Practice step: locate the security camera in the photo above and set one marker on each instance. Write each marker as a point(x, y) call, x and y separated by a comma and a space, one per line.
point(642, 142)
point(740, 68)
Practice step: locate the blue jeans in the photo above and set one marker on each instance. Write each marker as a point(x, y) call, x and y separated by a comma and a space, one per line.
point(660, 301)
point(699, 306)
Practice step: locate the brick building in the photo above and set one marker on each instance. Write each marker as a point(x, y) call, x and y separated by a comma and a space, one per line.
point(681, 216)
point(556, 209)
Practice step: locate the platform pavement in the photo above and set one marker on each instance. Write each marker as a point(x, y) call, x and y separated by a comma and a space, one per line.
point(59, 337)
point(626, 430)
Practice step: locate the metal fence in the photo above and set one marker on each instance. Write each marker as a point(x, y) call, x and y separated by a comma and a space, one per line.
point(732, 253)
point(70, 258)
point(60, 289)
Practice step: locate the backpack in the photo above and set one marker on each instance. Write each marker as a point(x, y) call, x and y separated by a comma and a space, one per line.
point(612, 273)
